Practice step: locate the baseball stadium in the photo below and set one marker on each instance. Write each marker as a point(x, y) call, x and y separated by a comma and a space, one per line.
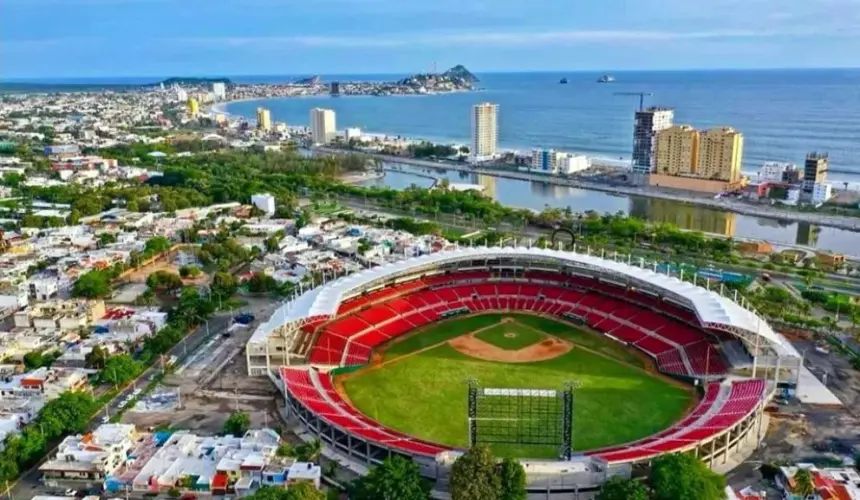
point(580, 366)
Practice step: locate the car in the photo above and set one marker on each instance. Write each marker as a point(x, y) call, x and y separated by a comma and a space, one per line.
point(122, 404)
point(105, 419)
point(70, 492)
point(244, 318)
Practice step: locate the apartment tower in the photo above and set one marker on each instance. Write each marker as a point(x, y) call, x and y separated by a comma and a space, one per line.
point(814, 170)
point(323, 127)
point(484, 131)
point(264, 119)
point(677, 151)
point(648, 123)
point(720, 155)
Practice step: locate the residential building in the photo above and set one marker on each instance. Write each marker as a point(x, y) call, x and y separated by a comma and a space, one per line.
point(775, 171)
point(706, 161)
point(264, 119)
point(814, 171)
point(219, 91)
point(193, 107)
point(720, 155)
point(264, 202)
point(92, 456)
point(677, 150)
point(829, 483)
point(556, 162)
point(181, 94)
point(648, 122)
point(821, 193)
point(485, 130)
point(323, 126)
point(352, 133)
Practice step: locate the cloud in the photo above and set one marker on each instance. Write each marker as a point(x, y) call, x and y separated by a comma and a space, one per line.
point(513, 38)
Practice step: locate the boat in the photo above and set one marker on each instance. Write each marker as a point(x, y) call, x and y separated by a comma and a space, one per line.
point(606, 79)
point(563, 80)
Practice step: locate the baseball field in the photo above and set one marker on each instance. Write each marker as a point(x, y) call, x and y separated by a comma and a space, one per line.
point(418, 383)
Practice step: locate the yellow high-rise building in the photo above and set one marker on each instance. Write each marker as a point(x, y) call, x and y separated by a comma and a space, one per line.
point(193, 106)
point(264, 119)
point(677, 151)
point(720, 154)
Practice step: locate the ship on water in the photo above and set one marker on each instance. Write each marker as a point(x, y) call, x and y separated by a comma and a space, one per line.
point(563, 80)
point(606, 79)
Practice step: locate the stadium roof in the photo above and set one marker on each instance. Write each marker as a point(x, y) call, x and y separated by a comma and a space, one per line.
point(710, 306)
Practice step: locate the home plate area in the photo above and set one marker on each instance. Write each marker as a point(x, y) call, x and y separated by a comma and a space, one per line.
point(510, 342)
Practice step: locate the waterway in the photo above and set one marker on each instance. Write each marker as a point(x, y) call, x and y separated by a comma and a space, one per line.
point(539, 195)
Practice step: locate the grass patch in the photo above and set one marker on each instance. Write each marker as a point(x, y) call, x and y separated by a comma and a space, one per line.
point(425, 394)
point(440, 332)
point(511, 336)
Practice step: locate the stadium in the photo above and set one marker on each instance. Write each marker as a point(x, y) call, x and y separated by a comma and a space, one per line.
point(580, 366)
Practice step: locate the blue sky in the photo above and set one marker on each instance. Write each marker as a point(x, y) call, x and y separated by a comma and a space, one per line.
point(98, 38)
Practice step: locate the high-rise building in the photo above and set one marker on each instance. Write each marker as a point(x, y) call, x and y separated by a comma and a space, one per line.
point(193, 106)
point(485, 130)
point(647, 124)
point(219, 90)
point(181, 94)
point(264, 119)
point(677, 150)
point(814, 171)
point(323, 128)
point(720, 155)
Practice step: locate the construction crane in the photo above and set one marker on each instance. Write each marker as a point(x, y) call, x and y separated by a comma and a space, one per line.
point(641, 97)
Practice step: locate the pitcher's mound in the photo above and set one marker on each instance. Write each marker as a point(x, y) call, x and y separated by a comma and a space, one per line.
point(548, 348)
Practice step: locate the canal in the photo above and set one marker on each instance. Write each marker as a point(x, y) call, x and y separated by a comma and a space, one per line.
point(539, 195)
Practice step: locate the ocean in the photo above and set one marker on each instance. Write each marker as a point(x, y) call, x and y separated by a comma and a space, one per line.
point(783, 114)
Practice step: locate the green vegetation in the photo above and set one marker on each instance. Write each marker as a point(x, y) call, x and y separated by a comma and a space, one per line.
point(477, 475)
point(618, 488)
point(121, 369)
point(190, 272)
point(424, 394)
point(395, 479)
point(511, 336)
point(299, 491)
point(38, 359)
point(95, 284)
point(437, 333)
point(680, 476)
point(164, 281)
point(237, 424)
point(67, 414)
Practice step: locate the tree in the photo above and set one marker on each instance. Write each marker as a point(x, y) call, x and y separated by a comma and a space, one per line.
point(224, 284)
point(804, 485)
point(473, 476)
point(156, 245)
point(304, 491)
point(619, 488)
point(395, 479)
point(513, 479)
point(272, 244)
point(261, 283)
point(164, 281)
point(107, 239)
point(189, 272)
point(121, 369)
point(96, 358)
point(237, 424)
point(310, 451)
point(680, 476)
point(92, 285)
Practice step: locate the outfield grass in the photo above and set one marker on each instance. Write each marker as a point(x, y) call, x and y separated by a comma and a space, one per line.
point(511, 336)
point(425, 394)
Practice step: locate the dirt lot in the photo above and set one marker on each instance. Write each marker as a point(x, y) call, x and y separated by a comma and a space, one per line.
point(806, 433)
point(213, 383)
point(546, 349)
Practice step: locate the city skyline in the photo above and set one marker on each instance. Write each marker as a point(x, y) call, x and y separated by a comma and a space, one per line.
point(128, 38)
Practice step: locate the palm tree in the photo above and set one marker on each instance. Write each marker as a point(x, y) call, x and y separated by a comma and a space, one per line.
point(804, 485)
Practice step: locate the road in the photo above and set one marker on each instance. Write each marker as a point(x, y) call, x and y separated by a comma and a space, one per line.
point(25, 487)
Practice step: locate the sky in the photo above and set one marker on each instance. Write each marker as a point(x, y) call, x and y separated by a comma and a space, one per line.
point(126, 38)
